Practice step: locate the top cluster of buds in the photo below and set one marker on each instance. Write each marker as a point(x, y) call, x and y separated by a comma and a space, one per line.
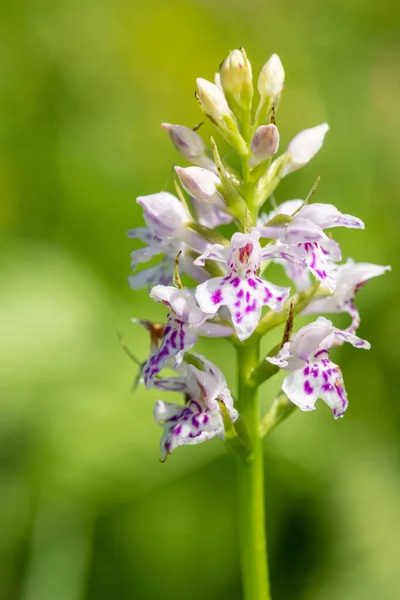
point(219, 233)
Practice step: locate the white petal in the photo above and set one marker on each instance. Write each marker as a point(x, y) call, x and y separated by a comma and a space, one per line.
point(305, 146)
point(309, 338)
point(354, 340)
point(210, 329)
point(200, 183)
point(214, 252)
point(302, 395)
point(161, 273)
point(327, 215)
point(163, 212)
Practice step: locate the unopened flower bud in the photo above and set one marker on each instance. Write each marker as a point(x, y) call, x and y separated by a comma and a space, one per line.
point(271, 78)
point(212, 100)
point(186, 141)
point(200, 183)
point(235, 72)
point(305, 146)
point(265, 143)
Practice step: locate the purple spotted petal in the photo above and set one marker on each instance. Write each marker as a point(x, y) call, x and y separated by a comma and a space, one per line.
point(318, 378)
point(186, 425)
point(244, 299)
point(178, 338)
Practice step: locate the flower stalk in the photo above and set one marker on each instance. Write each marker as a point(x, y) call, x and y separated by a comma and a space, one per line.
point(251, 511)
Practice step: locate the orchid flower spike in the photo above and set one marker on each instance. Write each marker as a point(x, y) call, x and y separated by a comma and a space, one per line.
point(313, 375)
point(350, 278)
point(304, 234)
point(200, 419)
point(241, 290)
point(184, 323)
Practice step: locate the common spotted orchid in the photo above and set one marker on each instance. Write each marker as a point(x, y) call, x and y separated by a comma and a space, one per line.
point(200, 418)
point(241, 290)
point(304, 233)
point(223, 247)
point(313, 374)
point(184, 323)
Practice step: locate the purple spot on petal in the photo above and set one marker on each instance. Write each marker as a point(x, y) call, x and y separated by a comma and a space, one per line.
point(252, 283)
point(327, 387)
point(235, 282)
point(308, 388)
point(216, 297)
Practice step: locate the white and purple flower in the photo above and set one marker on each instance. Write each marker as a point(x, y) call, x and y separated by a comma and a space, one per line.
point(305, 236)
point(350, 278)
point(313, 374)
point(185, 322)
point(241, 290)
point(200, 419)
point(166, 233)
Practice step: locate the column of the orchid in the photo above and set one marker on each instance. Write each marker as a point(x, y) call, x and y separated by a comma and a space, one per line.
point(210, 246)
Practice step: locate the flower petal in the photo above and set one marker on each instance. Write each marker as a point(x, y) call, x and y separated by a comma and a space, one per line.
point(161, 273)
point(244, 299)
point(178, 339)
point(214, 252)
point(186, 425)
point(327, 216)
point(163, 212)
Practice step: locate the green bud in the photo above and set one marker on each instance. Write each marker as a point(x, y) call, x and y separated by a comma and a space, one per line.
point(236, 78)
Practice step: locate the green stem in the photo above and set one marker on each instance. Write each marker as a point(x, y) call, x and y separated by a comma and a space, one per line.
point(251, 482)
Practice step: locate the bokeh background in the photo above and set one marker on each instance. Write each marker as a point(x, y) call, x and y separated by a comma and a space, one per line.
point(86, 509)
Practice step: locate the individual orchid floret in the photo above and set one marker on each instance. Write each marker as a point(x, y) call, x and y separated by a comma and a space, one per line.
point(304, 232)
point(241, 291)
point(271, 78)
point(350, 278)
point(313, 374)
point(166, 233)
point(215, 106)
point(213, 100)
point(264, 144)
point(304, 147)
point(189, 144)
point(185, 322)
point(201, 184)
point(236, 78)
point(200, 419)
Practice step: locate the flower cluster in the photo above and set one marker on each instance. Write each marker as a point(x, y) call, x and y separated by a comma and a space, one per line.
point(220, 232)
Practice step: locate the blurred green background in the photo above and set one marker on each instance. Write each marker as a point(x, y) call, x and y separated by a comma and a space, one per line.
point(86, 509)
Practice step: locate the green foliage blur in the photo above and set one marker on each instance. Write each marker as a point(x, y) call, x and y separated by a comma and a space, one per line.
point(86, 509)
